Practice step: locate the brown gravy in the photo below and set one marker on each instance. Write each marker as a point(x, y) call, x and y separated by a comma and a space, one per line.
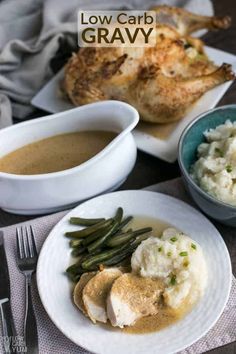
point(159, 131)
point(140, 221)
point(56, 153)
point(165, 317)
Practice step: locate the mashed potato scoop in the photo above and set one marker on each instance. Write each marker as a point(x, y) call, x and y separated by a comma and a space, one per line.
point(178, 261)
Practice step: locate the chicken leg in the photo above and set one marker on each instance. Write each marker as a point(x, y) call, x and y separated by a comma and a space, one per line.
point(163, 99)
point(186, 22)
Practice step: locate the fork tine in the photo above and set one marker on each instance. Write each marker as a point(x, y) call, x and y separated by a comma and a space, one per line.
point(29, 242)
point(19, 243)
point(33, 241)
point(25, 244)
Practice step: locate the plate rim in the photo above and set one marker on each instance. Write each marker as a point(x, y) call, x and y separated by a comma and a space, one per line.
point(184, 204)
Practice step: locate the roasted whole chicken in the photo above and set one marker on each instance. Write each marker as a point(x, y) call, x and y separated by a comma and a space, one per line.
point(161, 82)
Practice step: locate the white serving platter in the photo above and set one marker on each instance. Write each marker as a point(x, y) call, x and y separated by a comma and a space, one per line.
point(49, 99)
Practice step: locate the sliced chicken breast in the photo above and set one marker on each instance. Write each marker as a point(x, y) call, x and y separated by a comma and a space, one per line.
point(78, 290)
point(132, 297)
point(96, 291)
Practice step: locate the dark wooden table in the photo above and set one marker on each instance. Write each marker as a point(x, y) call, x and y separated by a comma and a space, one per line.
point(149, 170)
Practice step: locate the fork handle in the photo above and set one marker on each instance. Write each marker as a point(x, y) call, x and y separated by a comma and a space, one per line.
point(30, 324)
point(8, 328)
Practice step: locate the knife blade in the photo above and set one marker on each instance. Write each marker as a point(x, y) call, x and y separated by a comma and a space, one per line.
point(8, 326)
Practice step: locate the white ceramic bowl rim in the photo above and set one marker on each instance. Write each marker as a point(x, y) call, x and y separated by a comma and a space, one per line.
point(182, 167)
point(87, 163)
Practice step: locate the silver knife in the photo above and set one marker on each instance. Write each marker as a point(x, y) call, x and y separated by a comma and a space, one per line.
point(8, 328)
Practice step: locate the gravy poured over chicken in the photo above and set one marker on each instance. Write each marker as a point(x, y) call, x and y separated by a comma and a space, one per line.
point(56, 153)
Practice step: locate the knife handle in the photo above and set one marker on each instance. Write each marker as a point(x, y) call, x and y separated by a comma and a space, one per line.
point(9, 332)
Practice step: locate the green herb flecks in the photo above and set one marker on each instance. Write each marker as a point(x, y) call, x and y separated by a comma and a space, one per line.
point(219, 152)
point(183, 254)
point(229, 168)
point(173, 279)
point(174, 239)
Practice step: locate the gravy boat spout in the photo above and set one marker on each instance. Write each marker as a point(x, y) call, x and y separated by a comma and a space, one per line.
point(49, 192)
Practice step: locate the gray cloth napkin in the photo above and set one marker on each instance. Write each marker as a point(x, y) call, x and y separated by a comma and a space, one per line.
point(51, 341)
point(30, 34)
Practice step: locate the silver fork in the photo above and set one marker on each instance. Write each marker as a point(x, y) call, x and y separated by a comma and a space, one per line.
point(27, 257)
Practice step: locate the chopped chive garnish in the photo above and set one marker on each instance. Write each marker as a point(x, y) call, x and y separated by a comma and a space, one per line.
point(229, 168)
point(183, 254)
point(173, 239)
point(193, 246)
point(159, 249)
point(173, 280)
point(169, 254)
point(219, 151)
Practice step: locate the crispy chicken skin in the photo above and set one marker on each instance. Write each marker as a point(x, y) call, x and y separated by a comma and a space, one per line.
point(161, 82)
point(132, 297)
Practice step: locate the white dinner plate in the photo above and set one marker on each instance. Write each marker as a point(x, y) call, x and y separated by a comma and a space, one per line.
point(55, 288)
point(49, 99)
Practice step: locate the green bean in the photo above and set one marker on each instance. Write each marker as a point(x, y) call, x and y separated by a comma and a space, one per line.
point(89, 230)
point(74, 278)
point(95, 235)
point(89, 255)
point(125, 222)
point(118, 240)
point(76, 272)
point(103, 256)
point(75, 243)
point(99, 242)
point(74, 268)
point(119, 215)
point(142, 231)
point(77, 251)
point(117, 233)
point(85, 222)
point(119, 257)
point(139, 239)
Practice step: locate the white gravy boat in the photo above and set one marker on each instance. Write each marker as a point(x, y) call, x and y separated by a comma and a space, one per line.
point(45, 193)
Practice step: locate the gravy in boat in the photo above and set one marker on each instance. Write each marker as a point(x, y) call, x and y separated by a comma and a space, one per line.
point(56, 153)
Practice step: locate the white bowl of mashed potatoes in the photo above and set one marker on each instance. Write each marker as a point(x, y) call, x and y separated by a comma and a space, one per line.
point(215, 169)
point(207, 159)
